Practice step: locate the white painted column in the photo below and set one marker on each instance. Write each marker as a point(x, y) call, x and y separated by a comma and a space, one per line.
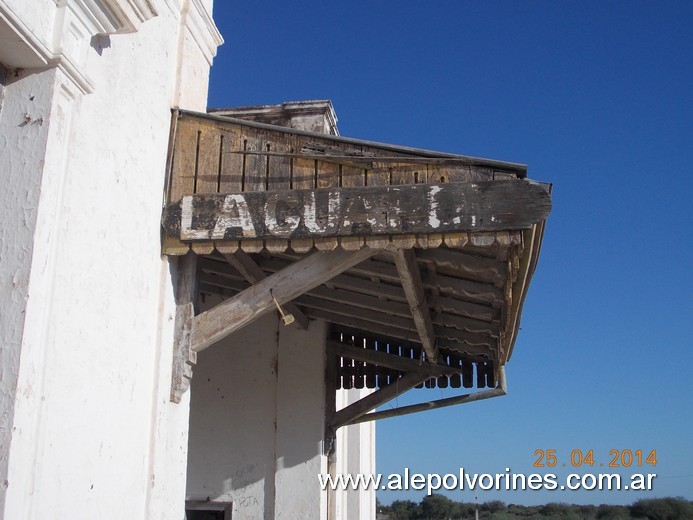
point(355, 453)
point(257, 421)
point(86, 305)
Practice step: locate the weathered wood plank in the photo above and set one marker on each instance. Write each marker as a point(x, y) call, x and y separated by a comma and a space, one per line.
point(281, 287)
point(372, 312)
point(352, 176)
point(303, 177)
point(279, 179)
point(327, 176)
point(209, 154)
point(255, 173)
point(184, 166)
point(408, 269)
point(183, 170)
point(451, 288)
point(469, 266)
point(207, 172)
point(398, 174)
point(377, 176)
point(408, 335)
point(231, 169)
point(364, 211)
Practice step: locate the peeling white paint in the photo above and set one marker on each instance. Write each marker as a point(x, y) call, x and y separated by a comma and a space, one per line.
point(290, 221)
point(186, 230)
point(234, 214)
point(309, 212)
point(433, 219)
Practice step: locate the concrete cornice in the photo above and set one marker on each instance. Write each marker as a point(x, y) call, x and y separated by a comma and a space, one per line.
point(111, 16)
point(203, 30)
point(30, 43)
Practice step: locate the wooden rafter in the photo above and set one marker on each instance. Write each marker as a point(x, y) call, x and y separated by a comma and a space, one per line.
point(278, 288)
point(400, 326)
point(408, 269)
point(252, 272)
point(476, 291)
point(476, 312)
point(409, 335)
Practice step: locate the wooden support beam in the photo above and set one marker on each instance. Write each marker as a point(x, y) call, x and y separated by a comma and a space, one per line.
point(408, 269)
point(379, 397)
point(399, 325)
point(185, 291)
point(484, 293)
point(391, 361)
point(499, 391)
point(253, 273)
point(410, 336)
point(281, 287)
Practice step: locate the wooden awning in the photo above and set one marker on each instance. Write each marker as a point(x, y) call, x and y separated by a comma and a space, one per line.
point(419, 248)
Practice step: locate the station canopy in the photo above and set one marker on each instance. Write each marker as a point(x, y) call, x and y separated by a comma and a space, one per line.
point(420, 260)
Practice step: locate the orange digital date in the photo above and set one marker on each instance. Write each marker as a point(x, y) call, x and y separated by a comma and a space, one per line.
point(619, 458)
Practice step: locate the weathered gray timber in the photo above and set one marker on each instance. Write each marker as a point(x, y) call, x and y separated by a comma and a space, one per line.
point(277, 289)
point(220, 155)
point(360, 211)
point(404, 251)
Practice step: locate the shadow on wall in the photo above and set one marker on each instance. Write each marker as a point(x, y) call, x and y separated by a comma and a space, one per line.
point(257, 415)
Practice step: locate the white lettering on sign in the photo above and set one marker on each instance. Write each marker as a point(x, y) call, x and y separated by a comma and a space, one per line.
point(433, 219)
point(234, 213)
point(186, 231)
point(282, 223)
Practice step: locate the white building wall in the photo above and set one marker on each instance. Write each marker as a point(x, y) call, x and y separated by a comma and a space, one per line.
point(257, 422)
point(354, 454)
point(87, 427)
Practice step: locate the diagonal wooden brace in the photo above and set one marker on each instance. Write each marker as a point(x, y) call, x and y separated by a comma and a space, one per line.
point(253, 273)
point(408, 269)
point(282, 286)
point(361, 407)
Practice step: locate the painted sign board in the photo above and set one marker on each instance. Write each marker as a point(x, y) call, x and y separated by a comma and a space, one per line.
point(361, 211)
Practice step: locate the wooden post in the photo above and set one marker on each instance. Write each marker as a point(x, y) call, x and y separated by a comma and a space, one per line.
point(185, 292)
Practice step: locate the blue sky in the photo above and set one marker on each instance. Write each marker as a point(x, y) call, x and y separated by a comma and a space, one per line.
point(597, 98)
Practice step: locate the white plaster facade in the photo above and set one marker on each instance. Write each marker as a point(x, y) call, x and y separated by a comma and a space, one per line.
point(87, 429)
point(257, 422)
point(86, 305)
point(257, 427)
